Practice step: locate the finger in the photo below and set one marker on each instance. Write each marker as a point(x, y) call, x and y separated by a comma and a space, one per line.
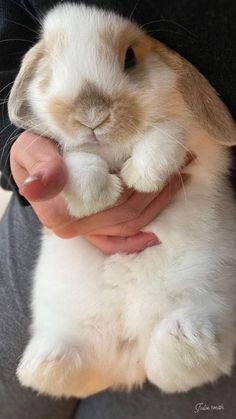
point(134, 244)
point(54, 214)
point(112, 216)
point(118, 221)
point(107, 222)
point(126, 194)
point(47, 183)
point(37, 167)
point(151, 211)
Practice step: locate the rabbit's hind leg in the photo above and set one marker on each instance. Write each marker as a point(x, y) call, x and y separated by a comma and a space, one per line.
point(186, 350)
point(58, 369)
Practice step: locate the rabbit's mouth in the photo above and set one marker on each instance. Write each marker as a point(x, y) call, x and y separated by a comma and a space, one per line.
point(89, 138)
point(93, 138)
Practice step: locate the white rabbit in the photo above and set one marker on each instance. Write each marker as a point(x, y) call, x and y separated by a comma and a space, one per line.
point(118, 100)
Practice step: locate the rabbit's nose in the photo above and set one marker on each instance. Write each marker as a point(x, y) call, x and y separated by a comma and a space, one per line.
point(93, 118)
point(92, 107)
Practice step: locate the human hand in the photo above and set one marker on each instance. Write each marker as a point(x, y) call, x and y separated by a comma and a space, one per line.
point(40, 173)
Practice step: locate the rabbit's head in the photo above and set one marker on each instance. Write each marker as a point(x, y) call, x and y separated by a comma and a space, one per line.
point(97, 77)
point(93, 76)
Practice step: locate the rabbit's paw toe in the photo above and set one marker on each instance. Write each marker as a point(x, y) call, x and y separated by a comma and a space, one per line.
point(141, 180)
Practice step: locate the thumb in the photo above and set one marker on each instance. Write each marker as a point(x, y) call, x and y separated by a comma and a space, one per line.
point(37, 167)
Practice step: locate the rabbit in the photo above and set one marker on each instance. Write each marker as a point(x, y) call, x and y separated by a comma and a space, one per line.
point(119, 101)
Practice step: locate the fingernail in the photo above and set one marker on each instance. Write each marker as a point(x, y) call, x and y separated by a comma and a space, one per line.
point(153, 242)
point(31, 179)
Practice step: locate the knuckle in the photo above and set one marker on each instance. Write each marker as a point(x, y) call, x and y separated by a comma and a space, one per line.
point(49, 225)
point(67, 231)
point(129, 229)
point(63, 234)
point(122, 231)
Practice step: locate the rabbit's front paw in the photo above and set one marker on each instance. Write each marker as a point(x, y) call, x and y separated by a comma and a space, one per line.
point(183, 353)
point(142, 179)
point(90, 188)
point(84, 203)
point(57, 369)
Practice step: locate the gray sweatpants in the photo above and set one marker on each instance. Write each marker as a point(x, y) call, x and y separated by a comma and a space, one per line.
point(19, 246)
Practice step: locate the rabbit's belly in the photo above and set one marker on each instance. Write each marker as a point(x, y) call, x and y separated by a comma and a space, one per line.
point(83, 294)
point(107, 310)
point(96, 304)
point(81, 291)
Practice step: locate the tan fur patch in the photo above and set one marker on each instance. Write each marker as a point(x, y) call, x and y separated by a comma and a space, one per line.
point(61, 110)
point(71, 113)
point(125, 117)
point(57, 377)
point(201, 98)
point(17, 104)
point(129, 116)
point(206, 106)
point(91, 96)
point(44, 71)
point(128, 37)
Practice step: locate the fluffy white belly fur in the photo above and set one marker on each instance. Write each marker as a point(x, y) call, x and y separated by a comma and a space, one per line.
point(165, 314)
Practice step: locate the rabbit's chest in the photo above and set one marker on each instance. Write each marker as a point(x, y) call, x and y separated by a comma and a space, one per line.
point(114, 154)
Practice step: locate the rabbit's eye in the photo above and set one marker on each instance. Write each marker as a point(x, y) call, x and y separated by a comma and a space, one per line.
point(130, 59)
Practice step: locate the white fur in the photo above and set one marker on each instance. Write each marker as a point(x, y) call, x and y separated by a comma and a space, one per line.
point(166, 314)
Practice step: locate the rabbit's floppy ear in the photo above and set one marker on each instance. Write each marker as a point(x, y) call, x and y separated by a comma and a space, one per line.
point(200, 97)
point(18, 107)
point(205, 105)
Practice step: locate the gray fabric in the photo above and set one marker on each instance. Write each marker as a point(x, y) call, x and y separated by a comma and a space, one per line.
point(208, 402)
point(19, 245)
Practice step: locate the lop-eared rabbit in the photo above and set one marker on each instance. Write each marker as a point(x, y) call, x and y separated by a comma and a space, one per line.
point(117, 100)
